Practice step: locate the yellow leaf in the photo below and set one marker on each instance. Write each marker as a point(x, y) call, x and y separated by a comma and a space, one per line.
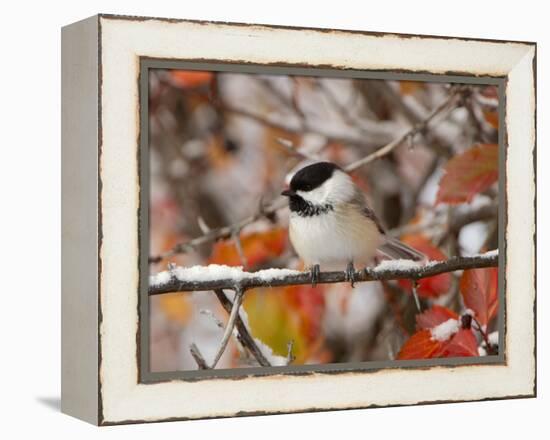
point(274, 323)
point(292, 313)
point(176, 307)
point(409, 87)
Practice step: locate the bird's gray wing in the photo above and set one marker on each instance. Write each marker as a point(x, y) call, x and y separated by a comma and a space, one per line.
point(359, 201)
point(392, 248)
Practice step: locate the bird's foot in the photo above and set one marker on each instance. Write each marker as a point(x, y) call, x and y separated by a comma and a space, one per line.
point(315, 271)
point(351, 275)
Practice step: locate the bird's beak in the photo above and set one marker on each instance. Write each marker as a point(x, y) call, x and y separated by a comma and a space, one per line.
point(288, 193)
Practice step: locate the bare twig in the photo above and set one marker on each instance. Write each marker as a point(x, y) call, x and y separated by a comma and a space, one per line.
point(240, 250)
point(289, 356)
point(379, 132)
point(459, 220)
point(245, 337)
point(415, 295)
point(474, 117)
point(358, 131)
point(483, 212)
point(490, 348)
point(486, 101)
point(485, 132)
point(205, 229)
point(368, 274)
point(451, 224)
point(214, 318)
point(288, 146)
point(199, 359)
point(237, 300)
point(410, 208)
point(275, 93)
point(342, 109)
point(415, 129)
point(223, 232)
point(397, 101)
point(415, 112)
point(295, 99)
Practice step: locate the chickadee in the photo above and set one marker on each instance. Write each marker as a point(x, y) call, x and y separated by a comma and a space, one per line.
point(332, 224)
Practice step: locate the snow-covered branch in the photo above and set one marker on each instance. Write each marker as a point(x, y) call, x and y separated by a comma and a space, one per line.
point(213, 277)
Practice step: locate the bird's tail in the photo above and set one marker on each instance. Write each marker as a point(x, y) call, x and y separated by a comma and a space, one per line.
point(397, 250)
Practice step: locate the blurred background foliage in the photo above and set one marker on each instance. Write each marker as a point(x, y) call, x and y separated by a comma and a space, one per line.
point(223, 144)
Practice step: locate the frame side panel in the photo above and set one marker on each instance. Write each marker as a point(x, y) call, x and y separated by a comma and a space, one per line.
point(79, 182)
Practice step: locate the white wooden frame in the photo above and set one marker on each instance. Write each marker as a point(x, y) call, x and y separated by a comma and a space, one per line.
point(101, 65)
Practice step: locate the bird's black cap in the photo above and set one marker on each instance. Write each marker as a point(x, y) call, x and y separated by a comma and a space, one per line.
point(312, 176)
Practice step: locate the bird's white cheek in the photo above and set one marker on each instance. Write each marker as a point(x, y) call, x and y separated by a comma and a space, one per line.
point(316, 196)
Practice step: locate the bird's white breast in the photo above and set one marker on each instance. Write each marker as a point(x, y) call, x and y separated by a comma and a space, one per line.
point(335, 238)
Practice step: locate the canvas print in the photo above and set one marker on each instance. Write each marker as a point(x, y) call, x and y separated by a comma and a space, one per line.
point(314, 220)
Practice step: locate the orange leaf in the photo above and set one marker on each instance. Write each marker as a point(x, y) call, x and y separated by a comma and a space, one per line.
point(491, 117)
point(463, 343)
point(419, 346)
point(409, 87)
point(479, 288)
point(429, 287)
point(187, 79)
point(468, 174)
point(258, 248)
point(218, 153)
point(434, 316)
point(176, 307)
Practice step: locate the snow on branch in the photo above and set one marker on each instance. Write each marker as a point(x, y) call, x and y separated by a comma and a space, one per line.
point(215, 277)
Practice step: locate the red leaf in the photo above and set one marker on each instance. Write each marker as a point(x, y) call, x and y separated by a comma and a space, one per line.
point(429, 287)
point(308, 303)
point(479, 288)
point(434, 316)
point(420, 346)
point(463, 343)
point(469, 173)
